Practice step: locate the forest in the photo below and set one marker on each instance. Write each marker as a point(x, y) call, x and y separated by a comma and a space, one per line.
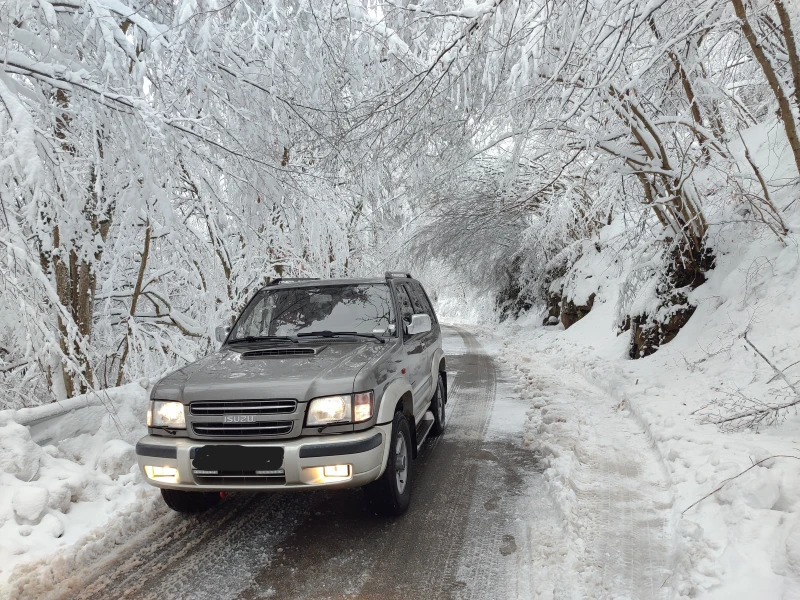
point(161, 161)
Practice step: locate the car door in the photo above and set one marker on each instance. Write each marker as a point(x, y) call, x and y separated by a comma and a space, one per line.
point(420, 304)
point(420, 300)
point(416, 354)
point(432, 339)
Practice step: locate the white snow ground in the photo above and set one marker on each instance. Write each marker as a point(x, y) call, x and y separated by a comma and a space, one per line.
point(630, 449)
point(607, 483)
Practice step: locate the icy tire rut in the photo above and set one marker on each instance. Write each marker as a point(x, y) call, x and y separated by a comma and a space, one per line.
point(607, 480)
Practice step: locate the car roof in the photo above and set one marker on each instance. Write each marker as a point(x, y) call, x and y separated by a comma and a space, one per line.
point(290, 283)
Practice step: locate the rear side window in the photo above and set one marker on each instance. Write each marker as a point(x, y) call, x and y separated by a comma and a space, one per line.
point(421, 302)
point(406, 308)
point(416, 301)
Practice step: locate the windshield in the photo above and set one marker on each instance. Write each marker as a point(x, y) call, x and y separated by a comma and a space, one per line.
point(364, 308)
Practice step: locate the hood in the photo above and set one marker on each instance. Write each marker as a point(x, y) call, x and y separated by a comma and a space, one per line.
point(231, 374)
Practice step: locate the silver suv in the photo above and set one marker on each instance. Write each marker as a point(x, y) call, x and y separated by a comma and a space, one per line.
point(318, 384)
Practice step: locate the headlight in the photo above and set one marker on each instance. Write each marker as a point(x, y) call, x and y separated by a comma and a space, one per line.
point(166, 414)
point(329, 409)
point(347, 408)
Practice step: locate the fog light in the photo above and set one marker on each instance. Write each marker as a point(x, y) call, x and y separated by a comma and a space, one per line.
point(336, 472)
point(162, 474)
point(329, 474)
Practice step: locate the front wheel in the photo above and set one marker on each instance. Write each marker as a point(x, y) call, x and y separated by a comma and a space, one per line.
point(391, 494)
point(189, 502)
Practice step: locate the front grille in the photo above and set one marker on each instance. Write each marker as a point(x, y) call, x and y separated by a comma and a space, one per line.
point(239, 478)
point(243, 407)
point(242, 429)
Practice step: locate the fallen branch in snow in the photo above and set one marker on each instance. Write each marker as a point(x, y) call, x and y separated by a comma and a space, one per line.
point(778, 372)
point(722, 485)
point(759, 414)
point(745, 412)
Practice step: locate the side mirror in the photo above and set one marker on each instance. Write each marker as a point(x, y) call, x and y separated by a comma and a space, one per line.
point(419, 324)
point(221, 332)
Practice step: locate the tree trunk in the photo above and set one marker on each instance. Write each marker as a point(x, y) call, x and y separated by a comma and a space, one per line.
point(137, 292)
point(75, 277)
point(784, 107)
point(791, 47)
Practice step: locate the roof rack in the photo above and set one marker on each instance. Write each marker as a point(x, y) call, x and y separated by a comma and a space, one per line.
point(397, 274)
point(290, 279)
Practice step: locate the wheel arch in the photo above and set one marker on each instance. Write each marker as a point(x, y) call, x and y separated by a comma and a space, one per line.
point(397, 393)
point(439, 366)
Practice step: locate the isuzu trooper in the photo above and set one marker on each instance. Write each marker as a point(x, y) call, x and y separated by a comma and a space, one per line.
point(318, 384)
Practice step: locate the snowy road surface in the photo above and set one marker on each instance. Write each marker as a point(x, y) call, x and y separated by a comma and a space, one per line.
point(484, 522)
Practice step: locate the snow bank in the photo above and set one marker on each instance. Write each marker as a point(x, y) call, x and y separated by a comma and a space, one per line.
point(80, 474)
point(742, 541)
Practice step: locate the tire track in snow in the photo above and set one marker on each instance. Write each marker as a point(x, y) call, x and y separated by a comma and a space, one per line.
point(172, 556)
point(607, 481)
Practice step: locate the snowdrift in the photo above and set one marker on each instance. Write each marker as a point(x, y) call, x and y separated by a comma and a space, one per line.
point(66, 469)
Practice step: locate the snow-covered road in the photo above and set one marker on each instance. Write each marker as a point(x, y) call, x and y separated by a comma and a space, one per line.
point(486, 521)
point(608, 482)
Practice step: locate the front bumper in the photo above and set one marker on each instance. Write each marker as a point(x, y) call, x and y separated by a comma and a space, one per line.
point(366, 452)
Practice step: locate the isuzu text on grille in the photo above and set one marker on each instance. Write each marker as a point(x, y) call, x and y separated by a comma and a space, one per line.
point(239, 419)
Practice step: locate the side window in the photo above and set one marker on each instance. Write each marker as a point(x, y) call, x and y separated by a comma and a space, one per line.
point(422, 298)
point(416, 301)
point(406, 309)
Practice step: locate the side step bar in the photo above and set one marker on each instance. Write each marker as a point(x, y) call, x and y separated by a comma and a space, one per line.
point(424, 428)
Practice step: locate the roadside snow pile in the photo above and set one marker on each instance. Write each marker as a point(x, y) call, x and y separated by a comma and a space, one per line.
point(736, 511)
point(53, 494)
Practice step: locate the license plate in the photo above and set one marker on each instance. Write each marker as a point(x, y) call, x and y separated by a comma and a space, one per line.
point(238, 458)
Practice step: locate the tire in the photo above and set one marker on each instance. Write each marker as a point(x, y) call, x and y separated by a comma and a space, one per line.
point(438, 408)
point(391, 494)
point(189, 502)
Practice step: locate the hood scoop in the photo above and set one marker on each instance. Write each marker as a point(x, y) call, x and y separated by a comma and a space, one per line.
point(282, 352)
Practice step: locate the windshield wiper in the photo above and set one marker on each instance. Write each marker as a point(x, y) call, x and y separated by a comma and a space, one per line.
point(327, 333)
point(264, 338)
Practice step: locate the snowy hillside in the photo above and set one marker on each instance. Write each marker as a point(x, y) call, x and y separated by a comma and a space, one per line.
point(730, 491)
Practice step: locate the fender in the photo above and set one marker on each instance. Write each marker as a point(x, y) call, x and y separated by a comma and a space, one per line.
point(391, 396)
point(438, 355)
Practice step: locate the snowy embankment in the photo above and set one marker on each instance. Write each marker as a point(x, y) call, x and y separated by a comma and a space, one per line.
point(732, 512)
point(66, 469)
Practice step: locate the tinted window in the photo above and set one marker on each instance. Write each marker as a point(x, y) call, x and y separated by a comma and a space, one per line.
point(361, 308)
point(416, 303)
point(403, 297)
point(422, 300)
